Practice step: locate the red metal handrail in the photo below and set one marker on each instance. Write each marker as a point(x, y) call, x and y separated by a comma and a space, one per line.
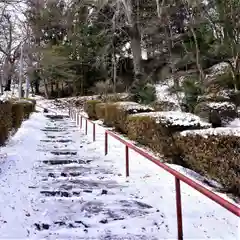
point(79, 122)
point(178, 176)
point(224, 203)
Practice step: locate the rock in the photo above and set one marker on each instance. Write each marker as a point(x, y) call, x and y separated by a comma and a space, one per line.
point(45, 110)
point(104, 221)
point(45, 226)
point(215, 118)
point(104, 192)
point(215, 112)
point(217, 70)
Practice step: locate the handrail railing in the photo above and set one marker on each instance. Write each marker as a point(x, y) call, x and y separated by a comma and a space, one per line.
point(178, 176)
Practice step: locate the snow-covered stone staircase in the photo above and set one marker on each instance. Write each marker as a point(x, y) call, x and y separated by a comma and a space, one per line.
point(76, 198)
point(55, 183)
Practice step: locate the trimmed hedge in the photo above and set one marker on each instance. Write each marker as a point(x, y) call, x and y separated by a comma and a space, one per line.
point(156, 130)
point(5, 120)
point(214, 155)
point(28, 107)
point(100, 110)
point(90, 108)
point(12, 113)
point(116, 113)
point(17, 114)
point(34, 102)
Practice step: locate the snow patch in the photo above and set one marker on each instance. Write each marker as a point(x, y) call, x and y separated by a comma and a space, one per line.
point(217, 69)
point(133, 106)
point(217, 105)
point(163, 93)
point(235, 123)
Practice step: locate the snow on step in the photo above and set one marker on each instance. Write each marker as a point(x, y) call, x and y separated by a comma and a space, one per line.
point(58, 185)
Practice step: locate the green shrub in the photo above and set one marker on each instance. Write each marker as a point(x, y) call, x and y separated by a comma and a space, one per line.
point(192, 89)
point(214, 155)
point(100, 110)
point(90, 108)
point(5, 120)
point(17, 114)
point(116, 113)
point(156, 130)
point(144, 93)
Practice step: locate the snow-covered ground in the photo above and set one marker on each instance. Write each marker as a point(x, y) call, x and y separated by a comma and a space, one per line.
point(106, 204)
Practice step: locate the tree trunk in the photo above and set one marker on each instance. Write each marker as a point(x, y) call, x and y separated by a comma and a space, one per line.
point(46, 89)
point(32, 87)
point(1, 86)
point(36, 86)
point(57, 89)
point(114, 73)
point(8, 84)
point(136, 51)
point(199, 67)
point(52, 90)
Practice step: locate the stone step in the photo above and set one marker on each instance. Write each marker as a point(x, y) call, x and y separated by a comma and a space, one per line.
point(56, 141)
point(70, 224)
point(65, 152)
point(56, 117)
point(63, 161)
point(59, 193)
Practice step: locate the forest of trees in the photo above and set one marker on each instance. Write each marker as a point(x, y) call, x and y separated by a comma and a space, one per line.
point(83, 47)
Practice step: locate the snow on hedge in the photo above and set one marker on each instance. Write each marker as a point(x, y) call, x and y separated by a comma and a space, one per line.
point(128, 106)
point(218, 105)
point(177, 118)
point(224, 131)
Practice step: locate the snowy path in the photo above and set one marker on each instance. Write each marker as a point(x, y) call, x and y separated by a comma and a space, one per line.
point(59, 190)
point(56, 184)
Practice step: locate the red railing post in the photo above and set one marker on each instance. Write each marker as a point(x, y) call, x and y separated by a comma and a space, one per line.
point(94, 132)
point(106, 143)
point(86, 126)
point(127, 160)
point(179, 209)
